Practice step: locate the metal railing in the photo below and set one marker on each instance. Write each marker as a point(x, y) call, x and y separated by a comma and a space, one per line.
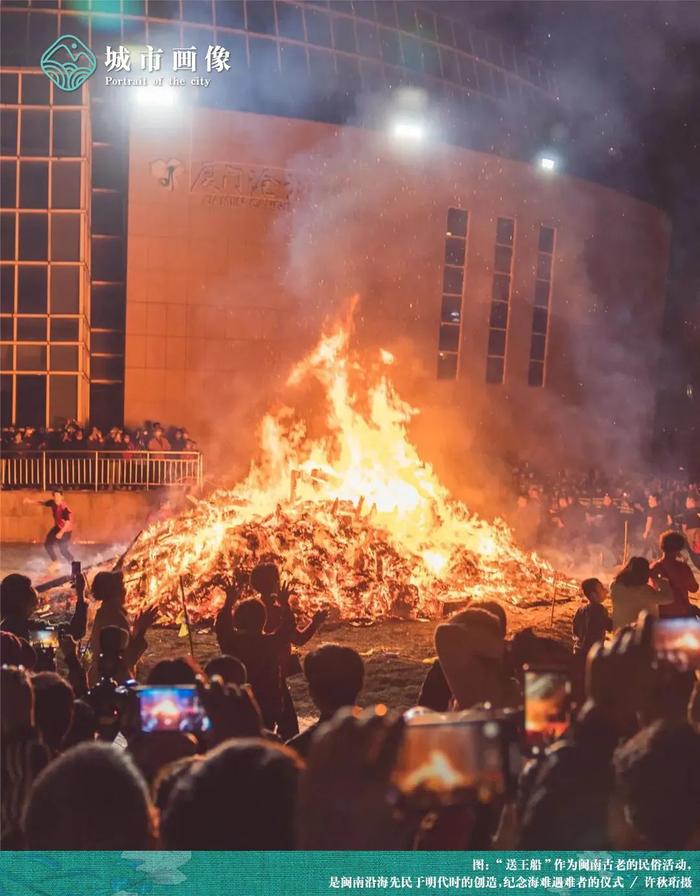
point(100, 469)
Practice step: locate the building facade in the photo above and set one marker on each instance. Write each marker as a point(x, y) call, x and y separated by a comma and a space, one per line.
point(169, 261)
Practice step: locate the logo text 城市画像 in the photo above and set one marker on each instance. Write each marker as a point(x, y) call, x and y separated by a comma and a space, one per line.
point(184, 59)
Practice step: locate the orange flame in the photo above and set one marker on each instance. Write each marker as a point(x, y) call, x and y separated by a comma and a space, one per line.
point(359, 520)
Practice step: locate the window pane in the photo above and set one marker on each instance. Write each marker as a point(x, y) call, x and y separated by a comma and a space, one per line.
point(412, 55)
point(318, 28)
point(63, 399)
point(31, 400)
point(456, 222)
point(322, 67)
point(32, 290)
point(494, 370)
point(344, 35)
point(108, 306)
point(8, 184)
point(504, 231)
point(261, 16)
point(391, 49)
point(7, 289)
point(197, 11)
point(31, 329)
point(108, 168)
point(5, 400)
point(35, 133)
point(103, 368)
point(449, 338)
point(499, 315)
point(8, 132)
point(65, 185)
point(290, 21)
point(107, 400)
point(35, 90)
point(541, 293)
point(6, 324)
point(230, 14)
point(535, 373)
point(368, 40)
point(365, 9)
point(546, 240)
point(466, 67)
point(64, 357)
point(65, 290)
point(164, 9)
point(453, 280)
point(263, 59)
point(65, 237)
point(64, 329)
point(386, 12)
point(431, 60)
point(34, 185)
point(500, 290)
point(451, 309)
point(7, 236)
point(9, 92)
point(454, 250)
point(107, 343)
point(66, 133)
point(293, 60)
point(407, 19)
point(497, 342)
point(502, 259)
point(6, 357)
point(447, 366)
point(31, 357)
point(537, 347)
point(107, 261)
point(33, 237)
point(539, 320)
point(544, 266)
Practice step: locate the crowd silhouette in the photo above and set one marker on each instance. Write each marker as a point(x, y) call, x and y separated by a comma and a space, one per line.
point(220, 762)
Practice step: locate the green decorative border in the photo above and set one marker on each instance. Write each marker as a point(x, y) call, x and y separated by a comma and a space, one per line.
point(308, 874)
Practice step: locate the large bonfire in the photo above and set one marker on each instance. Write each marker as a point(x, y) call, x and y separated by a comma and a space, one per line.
point(355, 518)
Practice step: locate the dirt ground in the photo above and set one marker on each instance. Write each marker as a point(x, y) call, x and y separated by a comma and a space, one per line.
point(396, 653)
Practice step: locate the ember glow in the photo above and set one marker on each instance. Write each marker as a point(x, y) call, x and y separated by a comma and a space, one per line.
point(355, 517)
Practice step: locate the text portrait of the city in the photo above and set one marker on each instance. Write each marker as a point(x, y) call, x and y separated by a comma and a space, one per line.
point(349, 476)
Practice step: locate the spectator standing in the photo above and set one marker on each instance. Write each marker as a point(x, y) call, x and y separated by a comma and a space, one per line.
point(335, 676)
point(631, 592)
point(657, 520)
point(678, 574)
point(158, 442)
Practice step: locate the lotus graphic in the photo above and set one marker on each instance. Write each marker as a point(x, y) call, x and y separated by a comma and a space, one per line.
point(68, 62)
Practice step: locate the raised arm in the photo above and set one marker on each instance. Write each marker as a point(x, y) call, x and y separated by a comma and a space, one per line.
point(78, 624)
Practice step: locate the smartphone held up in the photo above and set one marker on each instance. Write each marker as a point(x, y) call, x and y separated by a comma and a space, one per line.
point(171, 708)
point(547, 705)
point(677, 641)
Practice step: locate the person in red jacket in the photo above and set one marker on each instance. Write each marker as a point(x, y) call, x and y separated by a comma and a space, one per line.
point(60, 535)
point(679, 575)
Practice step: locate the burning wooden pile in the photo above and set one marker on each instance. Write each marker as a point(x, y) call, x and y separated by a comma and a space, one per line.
point(356, 518)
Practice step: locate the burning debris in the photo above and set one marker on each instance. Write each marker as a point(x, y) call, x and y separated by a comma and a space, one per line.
point(355, 518)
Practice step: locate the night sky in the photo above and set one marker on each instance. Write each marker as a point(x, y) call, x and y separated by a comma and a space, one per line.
point(630, 74)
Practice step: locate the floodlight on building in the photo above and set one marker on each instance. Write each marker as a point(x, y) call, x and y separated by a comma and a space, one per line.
point(547, 163)
point(410, 129)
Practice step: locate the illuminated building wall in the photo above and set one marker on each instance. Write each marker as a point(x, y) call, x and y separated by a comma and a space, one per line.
point(267, 223)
